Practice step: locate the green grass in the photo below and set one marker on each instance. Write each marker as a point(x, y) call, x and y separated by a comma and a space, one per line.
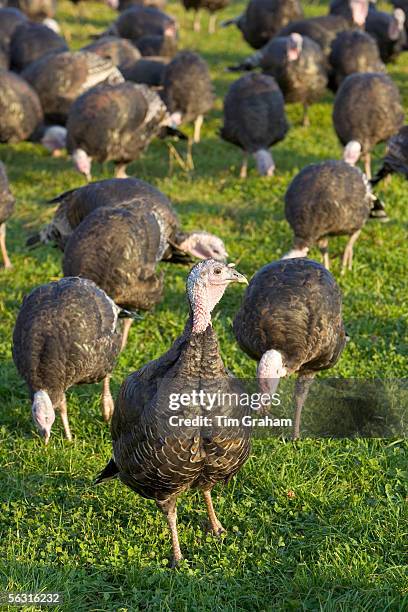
point(341, 542)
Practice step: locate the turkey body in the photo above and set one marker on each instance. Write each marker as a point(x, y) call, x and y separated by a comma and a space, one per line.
point(159, 463)
point(396, 157)
point(254, 117)
point(65, 334)
point(327, 199)
point(367, 110)
point(212, 6)
point(120, 51)
point(119, 250)
point(6, 209)
point(388, 30)
point(30, 41)
point(187, 89)
point(115, 122)
point(139, 21)
point(10, 19)
point(147, 70)
point(263, 19)
point(60, 78)
point(290, 319)
point(20, 108)
point(353, 51)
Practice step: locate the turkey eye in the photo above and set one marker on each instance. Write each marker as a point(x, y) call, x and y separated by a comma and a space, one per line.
point(217, 271)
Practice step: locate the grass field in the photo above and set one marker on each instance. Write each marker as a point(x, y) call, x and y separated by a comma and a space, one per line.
point(341, 542)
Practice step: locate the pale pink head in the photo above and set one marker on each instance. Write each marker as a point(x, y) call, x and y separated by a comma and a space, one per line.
point(264, 162)
point(82, 162)
point(359, 11)
point(352, 152)
point(206, 284)
point(204, 246)
point(43, 414)
point(113, 4)
point(295, 45)
point(397, 24)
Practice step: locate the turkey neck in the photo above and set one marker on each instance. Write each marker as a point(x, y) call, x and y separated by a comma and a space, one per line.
point(201, 357)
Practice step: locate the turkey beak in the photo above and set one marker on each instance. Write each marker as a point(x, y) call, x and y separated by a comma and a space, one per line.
point(236, 277)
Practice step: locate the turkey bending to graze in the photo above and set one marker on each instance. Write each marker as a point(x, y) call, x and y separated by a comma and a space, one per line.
point(113, 123)
point(60, 78)
point(367, 110)
point(254, 119)
point(119, 50)
point(298, 65)
point(388, 30)
point(160, 462)
point(36, 10)
point(134, 195)
point(396, 157)
point(66, 333)
point(139, 21)
point(20, 108)
point(147, 70)
point(324, 29)
point(6, 208)
point(353, 51)
point(290, 321)
point(31, 41)
point(212, 6)
point(327, 199)
point(343, 7)
point(263, 19)
point(187, 90)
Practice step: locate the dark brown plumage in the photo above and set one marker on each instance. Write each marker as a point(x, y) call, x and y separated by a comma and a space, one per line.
point(290, 321)
point(36, 10)
point(138, 21)
point(254, 119)
point(367, 110)
point(113, 123)
point(395, 160)
point(66, 333)
point(388, 30)
point(212, 6)
point(125, 4)
point(155, 45)
point(147, 70)
point(10, 19)
point(60, 78)
point(134, 195)
point(160, 462)
point(187, 90)
point(30, 41)
point(20, 108)
point(263, 19)
point(353, 51)
point(402, 4)
point(119, 50)
point(327, 199)
point(6, 209)
point(298, 65)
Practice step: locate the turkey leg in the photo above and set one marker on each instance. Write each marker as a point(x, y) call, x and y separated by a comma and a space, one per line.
point(348, 252)
point(301, 392)
point(6, 260)
point(107, 400)
point(215, 524)
point(125, 333)
point(170, 510)
point(64, 418)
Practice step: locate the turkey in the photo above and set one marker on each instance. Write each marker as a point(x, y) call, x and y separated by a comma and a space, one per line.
point(344, 7)
point(367, 110)
point(149, 456)
point(324, 29)
point(36, 10)
point(4, 58)
point(263, 19)
point(10, 19)
point(353, 51)
point(290, 322)
point(20, 108)
point(135, 195)
point(120, 51)
point(31, 41)
point(155, 45)
point(187, 90)
point(61, 77)
point(147, 70)
point(396, 157)
point(212, 6)
point(66, 333)
point(6, 209)
point(403, 4)
point(389, 32)
point(254, 119)
point(139, 21)
point(298, 65)
point(327, 199)
point(114, 123)
point(122, 5)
